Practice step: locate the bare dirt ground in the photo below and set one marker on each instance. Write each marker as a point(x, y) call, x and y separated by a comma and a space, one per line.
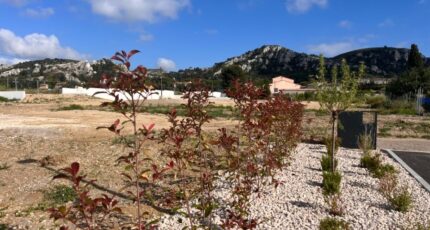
point(36, 140)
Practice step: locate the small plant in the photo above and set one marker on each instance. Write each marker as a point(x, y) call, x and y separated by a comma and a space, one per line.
point(60, 194)
point(2, 214)
point(333, 224)
point(3, 99)
point(370, 162)
point(4, 166)
point(401, 200)
point(387, 185)
point(365, 144)
point(326, 162)
point(86, 211)
point(418, 226)
point(72, 107)
point(331, 183)
point(335, 204)
point(383, 170)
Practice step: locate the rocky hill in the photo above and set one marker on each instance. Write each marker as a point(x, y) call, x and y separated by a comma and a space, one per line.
point(275, 60)
point(262, 63)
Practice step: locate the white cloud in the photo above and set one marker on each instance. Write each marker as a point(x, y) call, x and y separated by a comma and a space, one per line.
point(33, 46)
point(15, 2)
point(11, 61)
point(166, 64)
point(345, 45)
point(345, 24)
point(145, 37)
point(331, 49)
point(386, 23)
point(39, 13)
point(138, 10)
point(301, 6)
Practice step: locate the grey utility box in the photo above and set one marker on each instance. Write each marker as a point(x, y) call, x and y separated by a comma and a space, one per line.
point(352, 124)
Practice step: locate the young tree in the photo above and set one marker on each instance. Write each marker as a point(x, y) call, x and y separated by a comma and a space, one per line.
point(336, 96)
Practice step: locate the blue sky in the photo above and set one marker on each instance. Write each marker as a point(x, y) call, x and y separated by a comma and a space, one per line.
point(176, 34)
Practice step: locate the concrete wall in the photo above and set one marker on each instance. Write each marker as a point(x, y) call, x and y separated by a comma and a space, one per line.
point(156, 94)
point(17, 95)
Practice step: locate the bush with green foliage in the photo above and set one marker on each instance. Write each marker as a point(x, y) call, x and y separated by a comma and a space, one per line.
point(3, 99)
point(331, 183)
point(333, 224)
point(375, 102)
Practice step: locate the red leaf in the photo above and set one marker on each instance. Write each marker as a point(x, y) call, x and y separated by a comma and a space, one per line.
point(132, 52)
point(127, 64)
point(75, 168)
point(117, 58)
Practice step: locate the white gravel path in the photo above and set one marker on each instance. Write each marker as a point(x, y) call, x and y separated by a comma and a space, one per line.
point(299, 204)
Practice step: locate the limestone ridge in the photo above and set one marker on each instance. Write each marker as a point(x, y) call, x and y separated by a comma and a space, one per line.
point(266, 62)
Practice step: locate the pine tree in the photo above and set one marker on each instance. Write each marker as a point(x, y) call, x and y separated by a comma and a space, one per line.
point(415, 59)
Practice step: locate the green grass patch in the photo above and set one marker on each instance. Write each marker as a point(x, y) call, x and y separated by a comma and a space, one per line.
point(53, 197)
point(71, 107)
point(216, 111)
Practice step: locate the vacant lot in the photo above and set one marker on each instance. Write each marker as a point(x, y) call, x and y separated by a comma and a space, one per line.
point(45, 133)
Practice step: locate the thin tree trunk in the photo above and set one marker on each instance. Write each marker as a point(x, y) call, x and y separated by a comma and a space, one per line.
point(333, 142)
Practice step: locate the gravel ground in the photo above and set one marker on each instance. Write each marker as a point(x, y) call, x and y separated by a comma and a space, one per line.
point(299, 204)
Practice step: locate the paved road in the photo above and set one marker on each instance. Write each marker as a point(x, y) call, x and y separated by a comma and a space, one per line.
point(418, 161)
point(407, 144)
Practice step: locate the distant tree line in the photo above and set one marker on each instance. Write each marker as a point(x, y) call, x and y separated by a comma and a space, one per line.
point(415, 77)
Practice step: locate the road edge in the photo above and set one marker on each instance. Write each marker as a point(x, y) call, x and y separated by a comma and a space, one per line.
point(409, 169)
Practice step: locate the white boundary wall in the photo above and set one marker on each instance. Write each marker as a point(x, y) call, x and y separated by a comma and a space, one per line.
point(17, 95)
point(167, 94)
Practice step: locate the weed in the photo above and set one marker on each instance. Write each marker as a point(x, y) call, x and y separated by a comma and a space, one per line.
point(59, 194)
point(401, 200)
point(365, 143)
point(387, 185)
point(71, 107)
point(370, 162)
point(333, 224)
point(335, 204)
point(4, 166)
point(331, 183)
point(2, 214)
point(383, 170)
